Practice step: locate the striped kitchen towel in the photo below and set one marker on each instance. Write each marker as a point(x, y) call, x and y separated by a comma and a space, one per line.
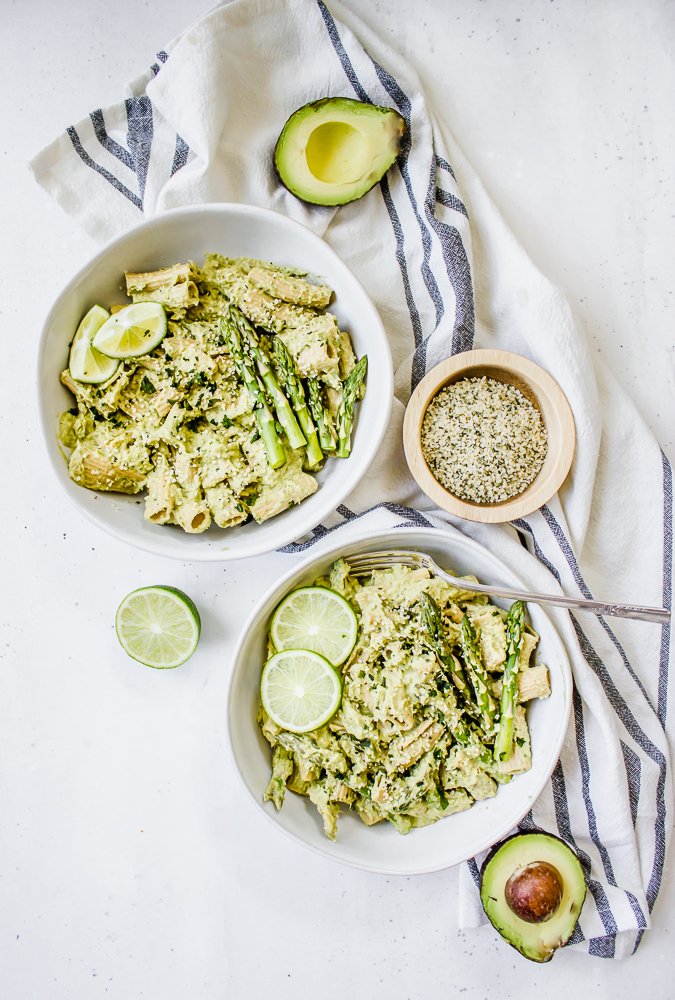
point(446, 275)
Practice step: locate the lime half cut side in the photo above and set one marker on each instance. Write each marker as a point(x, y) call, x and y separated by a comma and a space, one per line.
point(158, 626)
point(85, 363)
point(300, 690)
point(133, 331)
point(315, 618)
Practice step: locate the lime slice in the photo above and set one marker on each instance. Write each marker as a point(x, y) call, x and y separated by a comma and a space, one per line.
point(315, 618)
point(85, 363)
point(133, 331)
point(300, 690)
point(158, 626)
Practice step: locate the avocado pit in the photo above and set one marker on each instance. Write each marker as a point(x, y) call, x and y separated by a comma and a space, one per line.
point(533, 889)
point(534, 892)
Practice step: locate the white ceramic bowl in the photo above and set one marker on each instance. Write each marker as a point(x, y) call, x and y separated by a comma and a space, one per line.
point(187, 234)
point(380, 848)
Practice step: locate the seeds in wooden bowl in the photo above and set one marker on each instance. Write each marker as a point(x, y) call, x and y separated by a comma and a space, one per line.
point(483, 440)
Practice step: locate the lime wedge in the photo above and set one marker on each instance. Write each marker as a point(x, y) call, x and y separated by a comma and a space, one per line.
point(315, 618)
point(85, 363)
point(158, 626)
point(133, 331)
point(300, 690)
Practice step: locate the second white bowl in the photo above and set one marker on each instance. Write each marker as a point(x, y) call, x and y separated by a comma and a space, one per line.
point(187, 234)
point(380, 848)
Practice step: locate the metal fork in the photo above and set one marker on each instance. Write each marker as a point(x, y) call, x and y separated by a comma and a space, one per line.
point(369, 562)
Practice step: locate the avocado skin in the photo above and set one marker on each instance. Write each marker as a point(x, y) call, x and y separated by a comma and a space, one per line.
point(324, 106)
point(519, 934)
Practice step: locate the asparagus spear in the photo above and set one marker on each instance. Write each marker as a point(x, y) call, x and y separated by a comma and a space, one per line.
point(263, 415)
point(251, 345)
point(321, 415)
point(477, 674)
point(296, 394)
point(434, 626)
point(515, 623)
point(351, 391)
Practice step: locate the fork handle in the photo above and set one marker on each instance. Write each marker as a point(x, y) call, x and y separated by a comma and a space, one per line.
point(659, 615)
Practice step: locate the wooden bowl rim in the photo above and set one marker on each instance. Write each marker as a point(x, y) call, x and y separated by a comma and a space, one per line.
point(544, 392)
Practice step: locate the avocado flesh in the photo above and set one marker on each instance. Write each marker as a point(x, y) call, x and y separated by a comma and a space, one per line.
point(333, 151)
point(536, 941)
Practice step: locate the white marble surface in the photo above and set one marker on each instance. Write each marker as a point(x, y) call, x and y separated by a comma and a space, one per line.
point(131, 864)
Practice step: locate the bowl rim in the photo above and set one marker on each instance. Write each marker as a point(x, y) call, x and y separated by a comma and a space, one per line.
point(534, 376)
point(372, 441)
point(323, 552)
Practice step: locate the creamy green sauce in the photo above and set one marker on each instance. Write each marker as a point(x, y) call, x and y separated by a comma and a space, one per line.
point(405, 746)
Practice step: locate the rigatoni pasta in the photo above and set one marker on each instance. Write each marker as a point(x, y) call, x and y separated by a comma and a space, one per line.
point(206, 423)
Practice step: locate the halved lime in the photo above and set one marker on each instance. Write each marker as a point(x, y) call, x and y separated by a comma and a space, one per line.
point(85, 363)
point(300, 690)
point(315, 618)
point(158, 626)
point(133, 331)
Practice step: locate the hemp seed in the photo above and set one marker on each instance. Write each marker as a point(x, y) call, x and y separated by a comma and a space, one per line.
point(483, 440)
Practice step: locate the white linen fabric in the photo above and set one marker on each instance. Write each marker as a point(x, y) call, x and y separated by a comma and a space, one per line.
point(446, 275)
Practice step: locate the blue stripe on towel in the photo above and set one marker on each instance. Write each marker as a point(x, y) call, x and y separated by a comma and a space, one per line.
point(110, 178)
point(527, 822)
point(404, 106)
point(139, 136)
point(453, 250)
point(401, 260)
point(562, 816)
point(345, 61)
point(451, 201)
point(633, 766)
point(444, 165)
point(180, 156)
point(139, 139)
point(162, 57)
point(602, 947)
point(616, 700)
point(571, 561)
point(638, 941)
point(108, 143)
point(362, 95)
point(632, 727)
point(452, 246)
point(582, 754)
point(645, 744)
point(473, 869)
point(411, 518)
point(459, 272)
point(622, 710)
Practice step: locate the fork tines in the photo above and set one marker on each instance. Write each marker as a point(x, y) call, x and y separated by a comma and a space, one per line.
point(371, 562)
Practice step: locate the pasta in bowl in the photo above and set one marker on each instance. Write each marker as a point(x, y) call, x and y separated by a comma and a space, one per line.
point(475, 806)
point(236, 424)
point(418, 733)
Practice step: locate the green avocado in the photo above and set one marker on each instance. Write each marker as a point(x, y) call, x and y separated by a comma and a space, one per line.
point(532, 888)
point(333, 151)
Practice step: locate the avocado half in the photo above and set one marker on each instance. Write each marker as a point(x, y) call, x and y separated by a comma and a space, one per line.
point(333, 151)
point(532, 888)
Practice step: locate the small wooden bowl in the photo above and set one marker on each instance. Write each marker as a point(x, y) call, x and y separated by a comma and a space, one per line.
point(538, 386)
